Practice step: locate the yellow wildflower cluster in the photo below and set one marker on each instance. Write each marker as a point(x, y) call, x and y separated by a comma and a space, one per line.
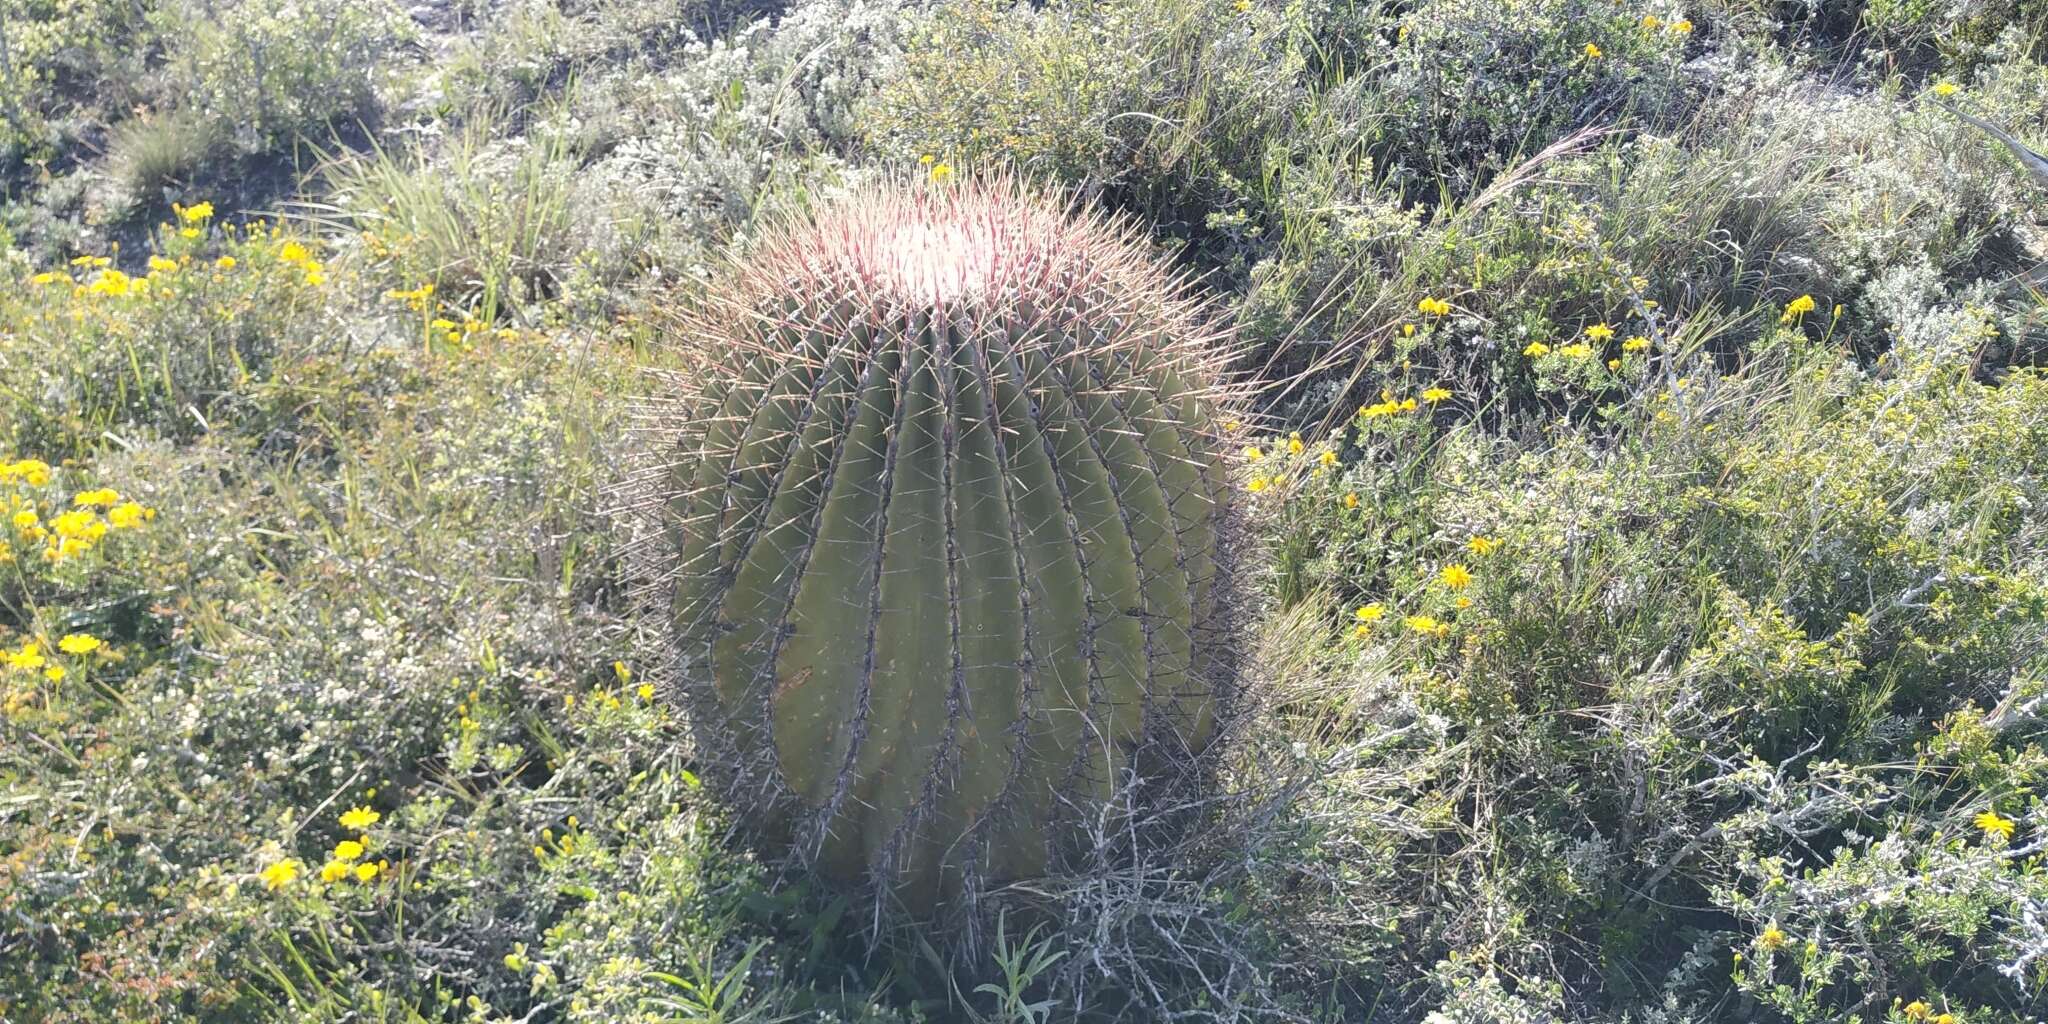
point(1797, 308)
point(74, 531)
point(297, 255)
point(1918, 1010)
point(1434, 307)
point(1652, 23)
point(1454, 579)
point(1388, 405)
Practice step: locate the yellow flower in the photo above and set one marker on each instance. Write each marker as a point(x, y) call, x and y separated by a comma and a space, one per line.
point(1797, 308)
point(1942, 1018)
point(1425, 624)
point(1257, 484)
point(1370, 612)
point(103, 497)
point(1917, 1009)
point(1944, 88)
point(940, 172)
point(1243, 6)
point(1350, 501)
point(1651, 22)
point(225, 263)
point(1681, 27)
point(1482, 545)
point(1993, 824)
point(33, 472)
point(293, 252)
point(1327, 458)
point(1772, 937)
point(54, 673)
point(159, 265)
point(1536, 349)
point(196, 212)
point(1294, 445)
point(1232, 426)
point(1592, 51)
point(79, 643)
point(315, 276)
point(366, 872)
point(1434, 307)
point(356, 819)
point(25, 519)
point(646, 691)
point(28, 659)
point(1435, 394)
point(1253, 454)
point(188, 232)
point(1599, 332)
point(1456, 577)
point(1361, 630)
point(128, 515)
point(348, 850)
point(926, 159)
point(1576, 350)
point(333, 871)
point(1635, 344)
point(90, 261)
point(111, 282)
point(47, 277)
point(280, 874)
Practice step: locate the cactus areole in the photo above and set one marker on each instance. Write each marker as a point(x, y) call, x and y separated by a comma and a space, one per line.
point(941, 529)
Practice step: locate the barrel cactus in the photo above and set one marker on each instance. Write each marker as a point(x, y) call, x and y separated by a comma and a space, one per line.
point(941, 516)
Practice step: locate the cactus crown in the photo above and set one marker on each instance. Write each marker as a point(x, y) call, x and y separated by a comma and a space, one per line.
point(941, 520)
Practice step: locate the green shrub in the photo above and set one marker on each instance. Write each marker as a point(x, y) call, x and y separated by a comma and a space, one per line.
point(1727, 640)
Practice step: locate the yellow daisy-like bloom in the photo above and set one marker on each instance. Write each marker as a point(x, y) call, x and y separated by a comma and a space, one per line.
point(1434, 307)
point(348, 850)
point(333, 871)
point(1592, 51)
point(1651, 22)
point(1436, 394)
point(1350, 500)
point(101, 498)
point(646, 691)
point(1254, 454)
point(159, 265)
point(1797, 308)
point(25, 520)
point(1994, 824)
point(1456, 577)
point(28, 659)
point(1681, 27)
point(280, 874)
point(196, 212)
point(1635, 344)
point(1536, 349)
point(128, 515)
point(54, 673)
point(1294, 445)
point(1370, 612)
point(366, 872)
point(1599, 332)
point(1944, 88)
point(356, 819)
point(225, 263)
point(79, 643)
point(1772, 937)
point(1481, 545)
point(293, 252)
point(1425, 624)
point(1327, 458)
point(941, 172)
point(1917, 1010)
point(1576, 350)
point(1257, 484)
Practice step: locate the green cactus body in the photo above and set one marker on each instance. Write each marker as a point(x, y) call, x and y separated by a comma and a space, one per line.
point(943, 530)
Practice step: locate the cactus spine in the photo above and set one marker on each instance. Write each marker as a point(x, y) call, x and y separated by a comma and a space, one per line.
point(941, 520)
